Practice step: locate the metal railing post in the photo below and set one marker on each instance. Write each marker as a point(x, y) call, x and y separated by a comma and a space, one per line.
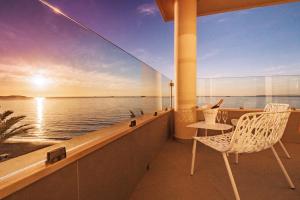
point(171, 93)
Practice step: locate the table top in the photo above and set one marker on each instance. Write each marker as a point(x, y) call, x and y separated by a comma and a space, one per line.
point(216, 126)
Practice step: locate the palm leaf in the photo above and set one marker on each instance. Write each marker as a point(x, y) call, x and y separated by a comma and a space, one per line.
point(16, 131)
point(5, 114)
point(6, 125)
point(23, 127)
point(5, 137)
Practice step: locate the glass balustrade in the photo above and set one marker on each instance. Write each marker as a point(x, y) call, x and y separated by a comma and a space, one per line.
point(249, 92)
point(67, 79)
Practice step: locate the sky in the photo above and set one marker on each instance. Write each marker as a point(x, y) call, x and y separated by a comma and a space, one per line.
point(253, 42)
point(44, 54)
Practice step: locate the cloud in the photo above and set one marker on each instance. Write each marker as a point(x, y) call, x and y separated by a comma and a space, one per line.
point(141, 53)
point(210, 54)
point(282, 69)
point(147, 9)
point(217, 18)
point(147, 56)
point(243, 12)
point(221, 20)
point(276, 70)
point(18, 74)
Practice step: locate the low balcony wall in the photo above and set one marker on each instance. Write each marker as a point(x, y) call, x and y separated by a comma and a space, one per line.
point(106, 164)
point(292, 131)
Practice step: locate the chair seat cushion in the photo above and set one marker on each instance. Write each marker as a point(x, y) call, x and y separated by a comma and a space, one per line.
point(218, 142)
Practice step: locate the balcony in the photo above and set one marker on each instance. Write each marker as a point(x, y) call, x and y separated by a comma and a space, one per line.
point(146, 163)
point(110, 157)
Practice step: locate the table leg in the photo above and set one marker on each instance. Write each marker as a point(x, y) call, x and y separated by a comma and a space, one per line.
point(236, 158)
point(227, 154)
point(193, 157)
point(196, 133)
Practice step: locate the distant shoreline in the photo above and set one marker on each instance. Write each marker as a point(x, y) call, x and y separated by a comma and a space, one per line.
point(15, 97)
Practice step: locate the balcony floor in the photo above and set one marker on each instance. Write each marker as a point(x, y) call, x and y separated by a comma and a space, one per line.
point(257, 175)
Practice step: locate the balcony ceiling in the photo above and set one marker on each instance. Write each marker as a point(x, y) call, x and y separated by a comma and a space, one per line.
point(209, 7)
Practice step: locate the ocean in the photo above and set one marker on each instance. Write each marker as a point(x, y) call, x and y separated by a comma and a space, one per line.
point(64, 118)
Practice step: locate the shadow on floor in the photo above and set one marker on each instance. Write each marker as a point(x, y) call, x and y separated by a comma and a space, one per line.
point(257, 175)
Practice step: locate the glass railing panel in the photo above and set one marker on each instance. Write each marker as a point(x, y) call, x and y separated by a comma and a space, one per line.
point(68, 79)
point(249, 92)
point(166, 92)
point(286, 89)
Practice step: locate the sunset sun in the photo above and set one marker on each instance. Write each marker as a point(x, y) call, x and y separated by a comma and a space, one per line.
point(39, 81)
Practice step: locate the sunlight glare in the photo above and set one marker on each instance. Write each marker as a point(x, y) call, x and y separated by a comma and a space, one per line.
point(39, 112)
point(39, 81)
point(56, 10)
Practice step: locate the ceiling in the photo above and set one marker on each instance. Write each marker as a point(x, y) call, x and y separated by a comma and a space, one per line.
point(209, 7)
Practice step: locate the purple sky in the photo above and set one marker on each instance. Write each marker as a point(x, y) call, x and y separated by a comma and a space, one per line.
point(262, 41)
point(44, 54)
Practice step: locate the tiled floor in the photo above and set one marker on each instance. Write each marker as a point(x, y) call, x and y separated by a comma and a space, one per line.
point(257, 175)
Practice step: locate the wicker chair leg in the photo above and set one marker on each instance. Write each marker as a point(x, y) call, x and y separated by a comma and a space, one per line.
point(283, 169)
point(284, 149)
point(193, 157)
point(236, 193)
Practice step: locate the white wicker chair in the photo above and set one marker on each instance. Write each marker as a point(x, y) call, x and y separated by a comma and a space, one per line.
point(254, 132)
point(277, 107)
point(270, 107)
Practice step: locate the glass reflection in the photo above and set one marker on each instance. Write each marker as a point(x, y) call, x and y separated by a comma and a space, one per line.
point(250, 92)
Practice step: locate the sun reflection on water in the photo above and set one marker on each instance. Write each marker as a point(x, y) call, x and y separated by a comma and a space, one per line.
point(39, 101)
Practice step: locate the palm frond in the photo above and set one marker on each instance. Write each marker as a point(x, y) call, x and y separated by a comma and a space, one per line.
point(9, 127)
point(16, 131)
point(23, 127)
point(6, 125)
point(5, 114)
point(5, 137)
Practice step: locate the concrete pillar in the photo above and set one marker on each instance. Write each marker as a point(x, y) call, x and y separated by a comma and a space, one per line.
point(185, 53)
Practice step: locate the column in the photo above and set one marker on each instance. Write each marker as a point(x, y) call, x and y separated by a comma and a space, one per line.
point(185, 52)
